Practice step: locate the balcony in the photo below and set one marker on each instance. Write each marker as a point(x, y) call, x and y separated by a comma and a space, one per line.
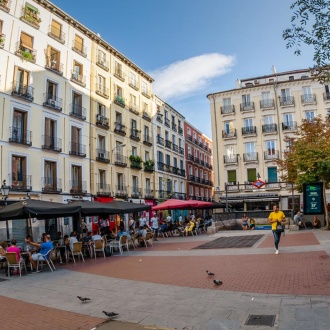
point(326, 97)
point(103, 189)
point(120, 128)
point(52, 102)
point(289, 126)
point(102, 156)
point(197, 179)
point(175, 147)
point(181, 172)
point(101, 90)
point(286, 101)
point(159, 118)
point(168, 144)
point(178, 195)
point(5, 5)
point(134, 108)
point(149, 165)
point(77, 111)
point(51, 185)
point(174, 127)
point(229, 134)
point(19, 182)
point(78, 78)
point(271, 154)
point(120, 160)
point(26, 54)
point(227, 109)
point(121, 191)
point(249, 130)
point(180, 130)
point(134, 84)
point(181, 150)
point(119, 100)
point(56, 34)
point(102, 63)
point(161, 166)
point(54, 66)
point(167, 122)
point(267, 104)
point(79, 48)
point(231, 159)
point(196, 160)
point(77, 149)
point(247, 106)
point(202, 162)
point(250, 157)
point(146, 116)
point(118, 73)
point(146, 93)
point(20, 136)
point(189, 137)
point(2, 40)
point(191, 178)
point(22, 91)
point(135, 134)
point(102, 121)
point(78, 187)
point(160, 140)
point(148, 193)
point(30, 16)
point(269, 128)
point(136, 192)
point(51, 143)
point(196, 141)
point(164, 194)
point(308, 99)
point(147, 140)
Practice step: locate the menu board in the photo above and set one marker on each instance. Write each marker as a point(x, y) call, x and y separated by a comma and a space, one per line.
point(313, 198)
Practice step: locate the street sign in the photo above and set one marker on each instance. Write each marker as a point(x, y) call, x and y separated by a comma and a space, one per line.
point(258, 184)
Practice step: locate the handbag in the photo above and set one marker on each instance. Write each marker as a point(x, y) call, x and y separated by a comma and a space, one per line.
point(279, 228)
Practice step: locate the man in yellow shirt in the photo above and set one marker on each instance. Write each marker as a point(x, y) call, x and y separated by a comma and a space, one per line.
point(276, 218)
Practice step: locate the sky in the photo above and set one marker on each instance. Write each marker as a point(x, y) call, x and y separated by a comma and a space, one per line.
point(192, 48)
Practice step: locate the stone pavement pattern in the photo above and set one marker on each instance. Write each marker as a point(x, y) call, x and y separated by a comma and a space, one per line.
point(166, 285)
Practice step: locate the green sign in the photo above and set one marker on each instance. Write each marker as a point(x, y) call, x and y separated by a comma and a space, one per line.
point(313, 198)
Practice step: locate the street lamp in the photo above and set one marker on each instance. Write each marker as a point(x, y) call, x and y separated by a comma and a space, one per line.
point(258, 176)
point(5, 193)
point(117, 147)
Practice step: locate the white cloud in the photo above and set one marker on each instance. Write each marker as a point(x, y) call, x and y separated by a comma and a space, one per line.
point(182, 78)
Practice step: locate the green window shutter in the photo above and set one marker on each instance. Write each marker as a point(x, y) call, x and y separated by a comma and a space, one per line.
point(272, 174)
point(31, 7)
point(252, 174)
point(231, 175)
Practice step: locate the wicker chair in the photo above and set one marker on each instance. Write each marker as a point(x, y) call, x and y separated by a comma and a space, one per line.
point(77, 251)
point(13, 263)
point(98, 246)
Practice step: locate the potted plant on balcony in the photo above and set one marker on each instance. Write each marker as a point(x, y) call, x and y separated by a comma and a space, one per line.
point(135, 161)
point(27, 55)
point(149, 165)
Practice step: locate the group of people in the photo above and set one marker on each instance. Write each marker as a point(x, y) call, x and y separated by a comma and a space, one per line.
point(248, 223)
point(302, 224)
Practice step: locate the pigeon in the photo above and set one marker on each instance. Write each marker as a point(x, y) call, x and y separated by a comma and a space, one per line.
point(110, 314)
point(217, 282)
point(210, 273)
point(83, 299)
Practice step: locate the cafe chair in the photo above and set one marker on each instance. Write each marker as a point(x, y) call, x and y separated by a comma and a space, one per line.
point(99, 247)
point(13, 263)
point(48, 259)
point(77, 251)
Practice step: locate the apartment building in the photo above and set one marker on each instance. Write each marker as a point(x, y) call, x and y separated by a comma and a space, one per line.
point(249, 124)
point(198, 151)
point(170, 174)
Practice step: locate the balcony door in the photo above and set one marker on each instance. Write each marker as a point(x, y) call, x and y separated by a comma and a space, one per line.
point(18, 179)
point(76, 178)
point(51, 92)
point(50, 176)
point(19, 126)
point(270, 148)
point(288, 119)
point(75, 139)
point(50, 133)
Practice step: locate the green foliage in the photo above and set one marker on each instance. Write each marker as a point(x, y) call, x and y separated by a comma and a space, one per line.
point(149, 165)
point(310, 26)
point(135, 159)
point(27, 55)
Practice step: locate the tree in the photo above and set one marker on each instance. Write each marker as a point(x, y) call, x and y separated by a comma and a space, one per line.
point(307, 158)
point(310, 26)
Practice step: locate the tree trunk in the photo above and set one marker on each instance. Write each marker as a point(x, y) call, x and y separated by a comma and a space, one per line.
point(325, 208)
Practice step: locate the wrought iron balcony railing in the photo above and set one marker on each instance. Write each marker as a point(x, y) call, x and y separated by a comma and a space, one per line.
point(119, 100)
point(22, 91)
point(229, 134)
point(267, 104)
point(135, 134)
point(269, 128)
point(308, 98)
point(102, 63)
point(118, 73)
point(271, 154)
point(51, 185)
point(54, 65)
point(20, 135)
point(78, 111)
point(286, 101)
point(56, 34)
point(79, 48)
point(133, 107)
point(247, 106)
point(250, 156)
point(120, 160)
point(52, 101)
point(121, 191)
point(78, 187)
point(289, 126)
point(20, 182)
point(102, 121)
point(249, 130)
point(101, 90)
point(227, 109)
point(78, 78)
point(147, 139)
point(102, 155)
point(103, 189)
point(120, 128)
point(160, 140)
point(230, 159)
point(77, 149)
point(51, 143)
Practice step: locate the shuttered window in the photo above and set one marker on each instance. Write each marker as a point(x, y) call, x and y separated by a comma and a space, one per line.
point(231, 176)
point(272, 174)
point(56, 29)
point(78, 43)
point(252, 174)
point(26, 41)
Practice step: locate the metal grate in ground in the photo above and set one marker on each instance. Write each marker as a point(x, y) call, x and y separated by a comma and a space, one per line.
point(3, 279)
point(232, 242)
point(266, 320)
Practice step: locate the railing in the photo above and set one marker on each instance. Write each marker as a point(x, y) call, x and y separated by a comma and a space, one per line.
point(160, 166)
point(78, 78)
point(133, 107)
point(56, 34)
point(146, 115)
point(121, 191)
point(120, 128)
point(286, 100)
point(53, 65)
point(289, 126)
point(103, 189)
point(160, 140)
point(19, 182)
point(196, 141)
point(146, 139)
point(202, 162)
point(78, 111)
point(189, 137)
point(250, 156)
point(267, 104)
point(51, 143)
point(174, 127)
point(167, 122)
point(136, 192)
point(160, 118)
point(326, 96)
point(168, 144)
point(190, 157)
point(271, 154)
point(30, 17)
point(180, 130)
point(102, 155)
point(196, 160)
point(148, 193)
point(26, 53)
point(119, 74)
point(135, 134)
point(101, 90)
point(2, 39)
point(247, 106)
point(79, 48)
point(230, 159)
point(248, 130)
point(162, 194)
point(51, 185)
point(179, 195)
point(227, 109)
point(23, 91)
point(134, 84)
point(146, 93)
point(118, 99)
point(120, 160)
point(77, 149)
point(269, 128)
point(52, 101)
point(102, 121)
point(229, 135)
point(308, 98)
point(181, 150)
point(5, 5)
point(175, 147)
point(191, 178)
point(19, 135)
point(78, 187)
point(101, 62)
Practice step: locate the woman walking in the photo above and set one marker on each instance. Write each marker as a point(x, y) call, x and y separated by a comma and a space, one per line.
point(276, 218)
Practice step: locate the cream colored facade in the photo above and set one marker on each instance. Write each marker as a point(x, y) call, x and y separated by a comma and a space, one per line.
point(170, 175)
point(249, 124)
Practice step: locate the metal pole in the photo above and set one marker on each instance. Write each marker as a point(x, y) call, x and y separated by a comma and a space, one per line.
point(292, 211)
point(226, 197)
point(7, 227)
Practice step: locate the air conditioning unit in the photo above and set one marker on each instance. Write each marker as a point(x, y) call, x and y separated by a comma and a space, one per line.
point(101, 155)
point(217, 188)
point(51, 102)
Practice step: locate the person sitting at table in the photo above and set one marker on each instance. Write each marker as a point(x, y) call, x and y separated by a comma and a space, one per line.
point(73, 239)
point(96, 236)
point(3, 248)
point(26, 247)
point(190, 228)
point(88, 237)
point(45, 247)
point(316, 223)
point(163, 228)
point(142, 233)
point(14, 248)
point(59, 238)
point(122, 233)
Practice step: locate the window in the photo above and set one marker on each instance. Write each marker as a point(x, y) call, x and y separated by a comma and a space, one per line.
point(285, 94)
point(270, 147)
point(118, 117)
point(168, 160)
point(180, 143)
point(250, 148)
point(268, 120)
point(77, 71)
point(51, 93)
point(190, 170)
point(135, 183)
point(251, 174)
point(121, 184)
point(50, 176)
point(101, 144)
point(288, 119)
point(101, 57)
point(146, 155)
point(226, 102)
point(272, 174)
point(118, 70)
point(26, 43)
point(77, 104)
point(248, 123)
point(79, 43)
point(230, 150)
point(53, 58)
point(76, 175)
point(160, 157)
point(21, 81)
point(310, 115)
point(101, 83)
point(75, 139)
point(148, 185)
point(144, 87)
point(229, 127)
point(56, 30)
point(291, 78)
point(175, 162)
point(101, 109)
point(134, 151)
point(181, 164)
point(19, 129)
point(102, 180)
point(119, 91)
point(231, 176)
point(18, 176)
point(132, 99)
point(132, 79)
point(50, 140)
point(307, 95)
point(246, 100)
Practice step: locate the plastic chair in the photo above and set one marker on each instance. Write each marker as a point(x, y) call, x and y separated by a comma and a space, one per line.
point(13, 263)
point(77, 251)
point(147, 240)
point(48, 258)
point(124, 242)
point(116, 244)
point(98, 246)
point(132, 240)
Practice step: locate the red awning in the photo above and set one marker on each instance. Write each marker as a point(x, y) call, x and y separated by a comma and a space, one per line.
point(177, 204)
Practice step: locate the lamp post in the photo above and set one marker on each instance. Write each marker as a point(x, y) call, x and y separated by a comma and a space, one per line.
point(117, 147)
point(5, 193)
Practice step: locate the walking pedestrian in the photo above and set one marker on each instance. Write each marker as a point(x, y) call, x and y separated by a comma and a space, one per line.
point(276, 218)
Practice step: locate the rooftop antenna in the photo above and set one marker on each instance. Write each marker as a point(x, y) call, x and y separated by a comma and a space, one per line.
point(274, 69)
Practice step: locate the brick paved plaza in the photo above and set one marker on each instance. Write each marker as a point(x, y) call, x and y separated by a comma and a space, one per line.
point(167, 286)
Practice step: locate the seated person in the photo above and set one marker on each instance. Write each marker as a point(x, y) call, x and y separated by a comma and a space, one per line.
point(45, 247)
point(316, 223)
point(59, 238)
point(142, 233)
point(73, 239)
point(3, 248)
point(190, 228)
point(96, 236)
point(26, 247)
point(163, 228)
point(298, 220)
point(252, 223)
point(122, 232)
point(14, 248)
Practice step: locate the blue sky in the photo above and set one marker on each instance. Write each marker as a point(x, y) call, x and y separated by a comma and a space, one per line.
point(194, 47)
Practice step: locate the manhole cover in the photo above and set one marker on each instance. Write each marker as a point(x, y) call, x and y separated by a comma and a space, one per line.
point(231, 242)
point(267, 320)
point(3, 279)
